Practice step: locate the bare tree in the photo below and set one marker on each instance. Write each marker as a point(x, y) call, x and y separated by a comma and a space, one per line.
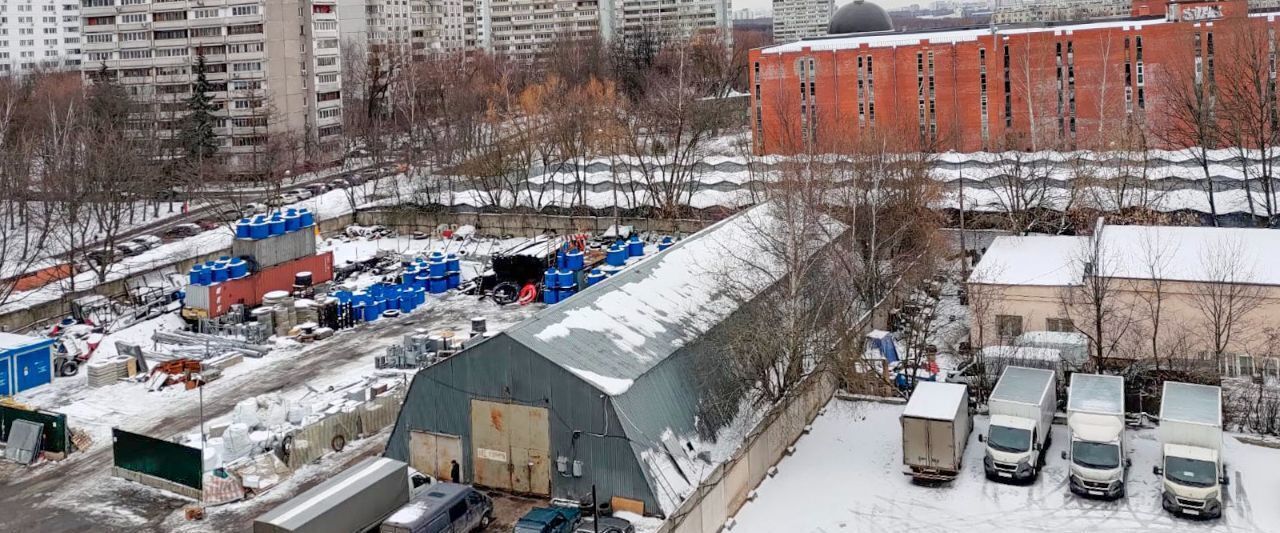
point(1225, 297)
point(1191, 118)
point(1094, 304)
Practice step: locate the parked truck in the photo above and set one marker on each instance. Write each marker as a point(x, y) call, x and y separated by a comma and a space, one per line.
point(1098, 455)
point(935, 428)
point(358, 499)
point(1191, 468)
point(1018, 437)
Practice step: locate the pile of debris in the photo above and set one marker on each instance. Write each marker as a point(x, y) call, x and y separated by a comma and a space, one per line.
point(190, 372)
point(204, 345)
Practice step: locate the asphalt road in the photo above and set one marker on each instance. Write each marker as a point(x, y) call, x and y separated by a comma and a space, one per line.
point(24, 502)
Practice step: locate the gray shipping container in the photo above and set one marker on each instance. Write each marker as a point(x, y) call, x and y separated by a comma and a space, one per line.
point(278, 249)
point(358, 499)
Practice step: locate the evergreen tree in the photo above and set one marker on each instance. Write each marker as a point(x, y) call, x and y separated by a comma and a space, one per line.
point(198, 140)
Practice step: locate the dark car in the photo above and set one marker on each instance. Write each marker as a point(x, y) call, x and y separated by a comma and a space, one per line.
point(182, 230)
point(549, 520)
point(608, 524)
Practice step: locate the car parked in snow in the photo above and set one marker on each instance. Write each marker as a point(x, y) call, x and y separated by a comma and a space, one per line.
point(549, 520)
point(317, 189)
point(339, 183)
point(253, 208)
point(130, 249)
point(286, 199)
point(102, 257)
point(148, 241)
point(302, 194)
point(183, 230)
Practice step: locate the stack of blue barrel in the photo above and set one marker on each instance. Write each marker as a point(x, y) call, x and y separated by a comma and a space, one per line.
point(438, 268)
point(665, 243)
point(267, 225)
point(453, 271)
point(216, 271)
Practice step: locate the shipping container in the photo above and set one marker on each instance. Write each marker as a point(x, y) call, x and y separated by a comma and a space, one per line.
point(357, 499)
point(935, 429)
point(215, 300)
point(27, 362)
point(278, 249)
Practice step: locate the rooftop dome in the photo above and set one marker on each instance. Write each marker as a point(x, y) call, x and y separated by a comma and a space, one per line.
point(859, 16)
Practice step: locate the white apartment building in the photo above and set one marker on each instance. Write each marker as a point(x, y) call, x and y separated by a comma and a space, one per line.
point(414, 27)
point(674, 18)
point(274, 65)
point(800, 19)
point(1060, 11)
point(39, 34)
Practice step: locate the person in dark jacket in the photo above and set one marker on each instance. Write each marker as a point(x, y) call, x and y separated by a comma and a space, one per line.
point(455, 472)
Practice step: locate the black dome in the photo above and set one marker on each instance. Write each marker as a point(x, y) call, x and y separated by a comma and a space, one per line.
point(858, 17)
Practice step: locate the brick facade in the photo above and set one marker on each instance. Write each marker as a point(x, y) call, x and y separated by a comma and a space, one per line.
point(1063, 87)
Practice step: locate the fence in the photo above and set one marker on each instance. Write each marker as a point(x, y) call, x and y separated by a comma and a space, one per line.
point(56, 438)
point(726, 489)
point(334, 431)
point(157, 463)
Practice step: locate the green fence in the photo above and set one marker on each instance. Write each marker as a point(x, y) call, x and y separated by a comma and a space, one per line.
point(154, 457)
point(56, 437)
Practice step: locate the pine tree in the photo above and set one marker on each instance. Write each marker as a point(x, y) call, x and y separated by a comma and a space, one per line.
point(198, 139)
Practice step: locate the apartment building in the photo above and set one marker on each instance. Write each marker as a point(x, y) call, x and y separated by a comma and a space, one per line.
point(1060, 11)
point(412, 27)
point(39, 34)
point(274, 66)
point(674, 18)
point(800, 19)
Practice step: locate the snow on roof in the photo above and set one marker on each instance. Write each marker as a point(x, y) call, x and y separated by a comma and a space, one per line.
point(1052, 338)
point(1199, 254)
point(1032, 260)
point(1094, 393)
point(1188, 402)
point(936, 401)
point(615, 331)
point(1022, 352)
point(9, 341)
point(1022, 385)
point(893, 39)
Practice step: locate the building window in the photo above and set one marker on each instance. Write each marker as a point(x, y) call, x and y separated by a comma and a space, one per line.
point(247, 29)
point(246, 67)
point(329, 96)
point(169, 16)
point(1062, 325)
point(241, 11)
point(1008, 327)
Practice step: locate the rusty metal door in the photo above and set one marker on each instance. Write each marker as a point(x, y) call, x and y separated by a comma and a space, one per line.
point(433, 453)
point(511, 445)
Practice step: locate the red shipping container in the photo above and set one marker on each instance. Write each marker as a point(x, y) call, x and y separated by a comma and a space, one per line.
point(249, 290)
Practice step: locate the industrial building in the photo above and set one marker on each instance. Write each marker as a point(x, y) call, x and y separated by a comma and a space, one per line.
point(617, 387)
point(1038, 87)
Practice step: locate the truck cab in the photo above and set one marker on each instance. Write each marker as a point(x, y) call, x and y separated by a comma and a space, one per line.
point(1021, 408)
point(1191, 470)
point(1098, 457)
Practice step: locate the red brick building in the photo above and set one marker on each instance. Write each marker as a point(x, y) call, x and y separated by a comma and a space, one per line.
point(1041, 87)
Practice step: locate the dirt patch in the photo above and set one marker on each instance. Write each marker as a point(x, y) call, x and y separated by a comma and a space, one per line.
point(508, 508)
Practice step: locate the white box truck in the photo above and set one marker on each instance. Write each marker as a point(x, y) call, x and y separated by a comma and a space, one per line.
point(357, 499)
point(1191, 468)
point(1098, 455)
point(935, 428)
point(1021, 408)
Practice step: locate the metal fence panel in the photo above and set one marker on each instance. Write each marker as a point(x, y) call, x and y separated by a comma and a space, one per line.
point(56, 437)
point(158, 458)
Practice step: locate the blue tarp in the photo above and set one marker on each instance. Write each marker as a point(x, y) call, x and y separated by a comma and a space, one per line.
point(884, 342)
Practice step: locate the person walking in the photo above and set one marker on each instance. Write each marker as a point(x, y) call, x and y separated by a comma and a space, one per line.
point(455, 472)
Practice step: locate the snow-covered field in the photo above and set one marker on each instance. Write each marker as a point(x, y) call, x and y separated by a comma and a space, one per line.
point(847, 476)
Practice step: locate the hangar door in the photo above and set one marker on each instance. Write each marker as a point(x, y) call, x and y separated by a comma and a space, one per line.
point(433, 453)
point(510, 447)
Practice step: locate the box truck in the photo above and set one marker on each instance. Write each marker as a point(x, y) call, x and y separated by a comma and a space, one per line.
point(1191, 469)
point(1098, 455)
point(935, 429)
point(358, 499)
point(1021, 408)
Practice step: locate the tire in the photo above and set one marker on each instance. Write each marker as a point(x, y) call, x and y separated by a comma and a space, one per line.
point(68, 368)
point(338, 443)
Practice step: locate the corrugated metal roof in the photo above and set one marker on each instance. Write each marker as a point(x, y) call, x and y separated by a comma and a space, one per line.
point(614, 332)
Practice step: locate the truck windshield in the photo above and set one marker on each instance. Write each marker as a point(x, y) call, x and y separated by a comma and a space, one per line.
point(1190, 472)
point(1099, 455)
point(1008, 439)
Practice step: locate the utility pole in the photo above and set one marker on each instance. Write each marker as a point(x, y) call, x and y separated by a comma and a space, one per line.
point(595, 509)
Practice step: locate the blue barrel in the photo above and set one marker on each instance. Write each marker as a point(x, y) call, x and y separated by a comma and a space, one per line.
point(551, 278)
point(635, 246)
point(576, 259)
point(438, 285)
point(438, 268)
point(275, 226)
point(665, 243)
point(454, 279)
point(560, 260)
point(563, 293)
point(242, 229)
point(407, 302)
point(568, 278)
point(422, 279)
point(616, 255)
point(238, 268)
point(258, 229)
point(292, 222)
point(452, 263)
point(305, 218)
point(595, 276)
point(193, 277)
point(392, 302)
point(206, 275)
point(610, 271)
point(219, 273)
point(357, 311)
point(342, 296)
point(550, 296)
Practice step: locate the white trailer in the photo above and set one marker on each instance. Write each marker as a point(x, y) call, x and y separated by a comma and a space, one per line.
point(1191, 467)
point(1098, 453)
point(1021, 408)
point(935, 428)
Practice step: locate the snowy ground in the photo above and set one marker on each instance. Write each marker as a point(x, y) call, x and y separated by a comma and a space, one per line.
point(847, 475)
